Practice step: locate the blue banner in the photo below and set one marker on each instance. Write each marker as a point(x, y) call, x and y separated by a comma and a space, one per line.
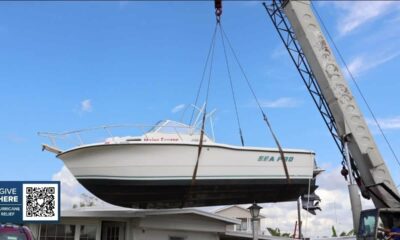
point(31, 201)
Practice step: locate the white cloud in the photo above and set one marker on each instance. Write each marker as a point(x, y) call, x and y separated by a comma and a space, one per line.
point(72, 191)
point(358, 13)
point(86, 105)
point(178, 108)
point(362, 64)
point(335, 204)
point(70, 188)
point(284, 102)
point(377, 48)
point(356, 65)
point(278, 52)
point(386, 123)
point(16, 138)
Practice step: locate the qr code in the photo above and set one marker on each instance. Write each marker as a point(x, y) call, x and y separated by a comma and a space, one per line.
point(40, 202)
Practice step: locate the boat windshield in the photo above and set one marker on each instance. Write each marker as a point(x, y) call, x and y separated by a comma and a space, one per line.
point(169, 126)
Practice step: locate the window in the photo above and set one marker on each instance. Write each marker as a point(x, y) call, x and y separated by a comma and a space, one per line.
point(243, 225)
point(111, 230)
point(176, 238)
point(368, 224)
point(88, 232)
point(57, 232)
point(113, 233)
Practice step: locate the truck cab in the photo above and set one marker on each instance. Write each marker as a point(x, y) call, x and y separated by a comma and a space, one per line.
point(377, 223)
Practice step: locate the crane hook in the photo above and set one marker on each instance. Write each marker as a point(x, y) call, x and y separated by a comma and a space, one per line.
point(218, 9)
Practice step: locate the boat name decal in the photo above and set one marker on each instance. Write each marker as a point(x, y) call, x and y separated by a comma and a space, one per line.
point(161, 139)
point(267, 158)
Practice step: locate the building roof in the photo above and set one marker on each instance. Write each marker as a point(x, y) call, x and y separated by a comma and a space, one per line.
point(236, 206)
point(249, 235)
point(113, 211)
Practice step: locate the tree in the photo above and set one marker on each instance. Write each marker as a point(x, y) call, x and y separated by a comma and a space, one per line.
point(343, 233)
point(334, 234)
point(274, 232)
point(86, 201)
point(349, 233)
point(277, 233)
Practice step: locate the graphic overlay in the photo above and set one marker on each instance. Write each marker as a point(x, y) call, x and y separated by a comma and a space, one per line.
point(40, 202)
point(29, 201)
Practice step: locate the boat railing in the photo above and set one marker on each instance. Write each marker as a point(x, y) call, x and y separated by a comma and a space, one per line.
point(90, 135)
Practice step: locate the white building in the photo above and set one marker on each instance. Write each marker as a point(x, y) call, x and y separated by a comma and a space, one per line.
point(242, 214)
point(131, 224)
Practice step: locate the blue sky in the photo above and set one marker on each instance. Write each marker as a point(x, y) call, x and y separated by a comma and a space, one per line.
point(73, 65)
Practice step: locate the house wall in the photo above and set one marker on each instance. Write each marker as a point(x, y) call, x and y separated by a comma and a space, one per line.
point(35, 228)
point(234, 212)
point(159, 227)
point(186, 222)
point(238, 212)
point(155, 234)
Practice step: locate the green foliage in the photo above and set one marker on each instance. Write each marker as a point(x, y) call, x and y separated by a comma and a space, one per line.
point(285, 235)
point(334, 234)
point(343, 233)
point(277, 233)
point(274, 232)
point(350, 233)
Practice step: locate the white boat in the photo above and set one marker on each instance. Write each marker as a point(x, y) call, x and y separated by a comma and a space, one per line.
point(155, 170)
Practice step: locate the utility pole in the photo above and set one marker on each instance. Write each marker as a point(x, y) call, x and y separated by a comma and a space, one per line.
point(299, 217)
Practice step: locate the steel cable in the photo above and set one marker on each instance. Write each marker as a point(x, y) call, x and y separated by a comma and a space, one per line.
point(231, 84)
point(194, 175)
point(211, 48)
point(282, 155)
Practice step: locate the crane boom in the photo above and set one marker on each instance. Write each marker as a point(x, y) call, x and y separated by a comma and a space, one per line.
point(350, 123)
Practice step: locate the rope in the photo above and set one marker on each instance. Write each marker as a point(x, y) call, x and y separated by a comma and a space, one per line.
point(194, 175)
point(204, 119)
point(211, 49)
point(231, 84)
point(357, 86)
point(282, 155)
point(199, 150)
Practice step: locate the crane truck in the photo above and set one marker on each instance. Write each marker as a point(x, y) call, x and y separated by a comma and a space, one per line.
point(302, 36)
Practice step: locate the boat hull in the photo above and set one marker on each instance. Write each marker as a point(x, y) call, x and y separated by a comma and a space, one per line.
point(150, 175)
point(161, 194)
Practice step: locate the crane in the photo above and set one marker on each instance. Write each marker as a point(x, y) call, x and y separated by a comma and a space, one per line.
point(302, 36)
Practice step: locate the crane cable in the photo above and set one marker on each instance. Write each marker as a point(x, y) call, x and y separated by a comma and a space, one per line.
point(356, 84)
point(218, 12)
point(210, 50)
point(231, 84)
point(281, 153)
point(210, 58)
point(204, 113)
